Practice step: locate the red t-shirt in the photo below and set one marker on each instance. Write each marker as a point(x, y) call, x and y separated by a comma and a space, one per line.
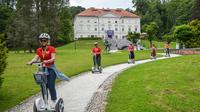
point(96, 50)
point(46, 55)
point(130, 48)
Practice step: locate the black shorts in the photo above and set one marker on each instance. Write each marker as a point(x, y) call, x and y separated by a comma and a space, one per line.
point(131, 55)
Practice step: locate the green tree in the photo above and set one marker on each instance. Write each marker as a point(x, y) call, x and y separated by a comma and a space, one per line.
point(151, 31)
point(3, 56)
point(75, 10)
point(5, 12)
point(195, 41)
point(66, 29)
point(196, 9)
point(184, 34)
point(133, 37)
point(168, 37)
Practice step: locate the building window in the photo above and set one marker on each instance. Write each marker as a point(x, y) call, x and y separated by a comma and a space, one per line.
point(109, 27)
point(102, 29)
point(122, 29)
point(116, 37)
point(109, 22)
point(88, 21)
point(129, 29)
point(122, 21)
point(95, 29)
point(92, 36)
point(115, 21)
point(95, 35)
point(116, 29)
point(95, 22)
point(135, 29)
point(88, 27)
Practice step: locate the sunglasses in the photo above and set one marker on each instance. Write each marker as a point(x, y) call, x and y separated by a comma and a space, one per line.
point(43, 40)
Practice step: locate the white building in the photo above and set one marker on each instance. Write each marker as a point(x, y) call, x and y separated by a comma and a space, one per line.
point(115, 23)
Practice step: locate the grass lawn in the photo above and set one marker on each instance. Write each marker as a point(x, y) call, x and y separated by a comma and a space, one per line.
point(158, 44)
point(171, 85)
point(18, 79)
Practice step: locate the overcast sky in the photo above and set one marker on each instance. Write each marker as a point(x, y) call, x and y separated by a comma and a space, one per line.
point(102, 3)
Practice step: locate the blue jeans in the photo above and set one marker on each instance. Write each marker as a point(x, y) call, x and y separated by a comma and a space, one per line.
point(51, 78)
point(97, 60)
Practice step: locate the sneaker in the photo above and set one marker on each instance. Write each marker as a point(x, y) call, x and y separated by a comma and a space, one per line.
point(53, 103)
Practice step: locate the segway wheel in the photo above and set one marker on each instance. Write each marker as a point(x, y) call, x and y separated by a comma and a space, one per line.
point(60, 105)
point(35, 108)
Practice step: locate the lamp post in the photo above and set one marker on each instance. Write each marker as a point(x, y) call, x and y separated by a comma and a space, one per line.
point(75, 39)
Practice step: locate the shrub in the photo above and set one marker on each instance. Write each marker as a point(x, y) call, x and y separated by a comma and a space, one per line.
point(3, 56)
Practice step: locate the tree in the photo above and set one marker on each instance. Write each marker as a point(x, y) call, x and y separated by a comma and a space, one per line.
point(33, 17)
point(169, 38)
point(5, 12)
point(65, 32)
point(196, 9)
point(184, 34)
point(75, 10)
point(151, 31)
point(3, 56)
point(195, 41)
point(133, 37)
point(166, 13)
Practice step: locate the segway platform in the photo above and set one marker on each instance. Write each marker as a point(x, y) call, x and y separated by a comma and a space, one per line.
point(96, 70)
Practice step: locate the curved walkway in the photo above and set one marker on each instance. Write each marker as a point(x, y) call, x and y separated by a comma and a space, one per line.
point(78, 92)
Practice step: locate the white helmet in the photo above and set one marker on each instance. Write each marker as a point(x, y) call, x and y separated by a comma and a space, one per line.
point(44, 36)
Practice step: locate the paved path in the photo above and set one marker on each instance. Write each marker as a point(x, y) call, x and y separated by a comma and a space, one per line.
point(78, 92)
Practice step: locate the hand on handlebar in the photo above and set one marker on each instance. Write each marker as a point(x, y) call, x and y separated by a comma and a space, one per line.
point(29, 63)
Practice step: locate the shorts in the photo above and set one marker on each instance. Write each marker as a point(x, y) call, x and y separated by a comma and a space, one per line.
point(131, 55)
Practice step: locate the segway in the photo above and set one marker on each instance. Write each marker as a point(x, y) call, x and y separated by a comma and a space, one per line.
point(41, 104)
point(96, 68)
point(131, 61)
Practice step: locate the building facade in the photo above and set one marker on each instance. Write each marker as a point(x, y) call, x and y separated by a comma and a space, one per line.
point(113, 23)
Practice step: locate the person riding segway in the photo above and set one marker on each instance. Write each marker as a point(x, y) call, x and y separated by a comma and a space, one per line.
point(46, 76)
point(131, 54)
point(96, 51)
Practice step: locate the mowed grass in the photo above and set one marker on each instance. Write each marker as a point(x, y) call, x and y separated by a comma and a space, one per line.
point(171, 85)
point(158, 44)
point(18, 79)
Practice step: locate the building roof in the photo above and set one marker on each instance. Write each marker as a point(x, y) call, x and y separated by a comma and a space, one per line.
point(99, 12)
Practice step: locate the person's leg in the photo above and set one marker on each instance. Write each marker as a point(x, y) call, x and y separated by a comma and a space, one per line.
point(94, 60)
point(168, 51)
point(99, 60)
point(51, 84)
point(133, 56)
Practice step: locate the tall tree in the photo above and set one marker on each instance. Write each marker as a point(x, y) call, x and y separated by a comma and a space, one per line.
point(66, 29)
point(196, 9)
point(75, 10)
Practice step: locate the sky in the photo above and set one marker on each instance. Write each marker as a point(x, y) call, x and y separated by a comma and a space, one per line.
point(102, 3)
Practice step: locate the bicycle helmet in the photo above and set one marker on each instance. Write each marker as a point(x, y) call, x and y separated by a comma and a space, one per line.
point(95, 43)
point(44, 36)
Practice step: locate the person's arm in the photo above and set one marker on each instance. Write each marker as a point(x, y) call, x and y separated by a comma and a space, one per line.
point(53, 58)
point(35, 59)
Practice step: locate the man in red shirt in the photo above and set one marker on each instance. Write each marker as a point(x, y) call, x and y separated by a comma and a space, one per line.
point(96, 51)
point(131, 53)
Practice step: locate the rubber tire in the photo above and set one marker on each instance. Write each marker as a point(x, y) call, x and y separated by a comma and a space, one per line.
point(35, 108)
point(58, 107)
